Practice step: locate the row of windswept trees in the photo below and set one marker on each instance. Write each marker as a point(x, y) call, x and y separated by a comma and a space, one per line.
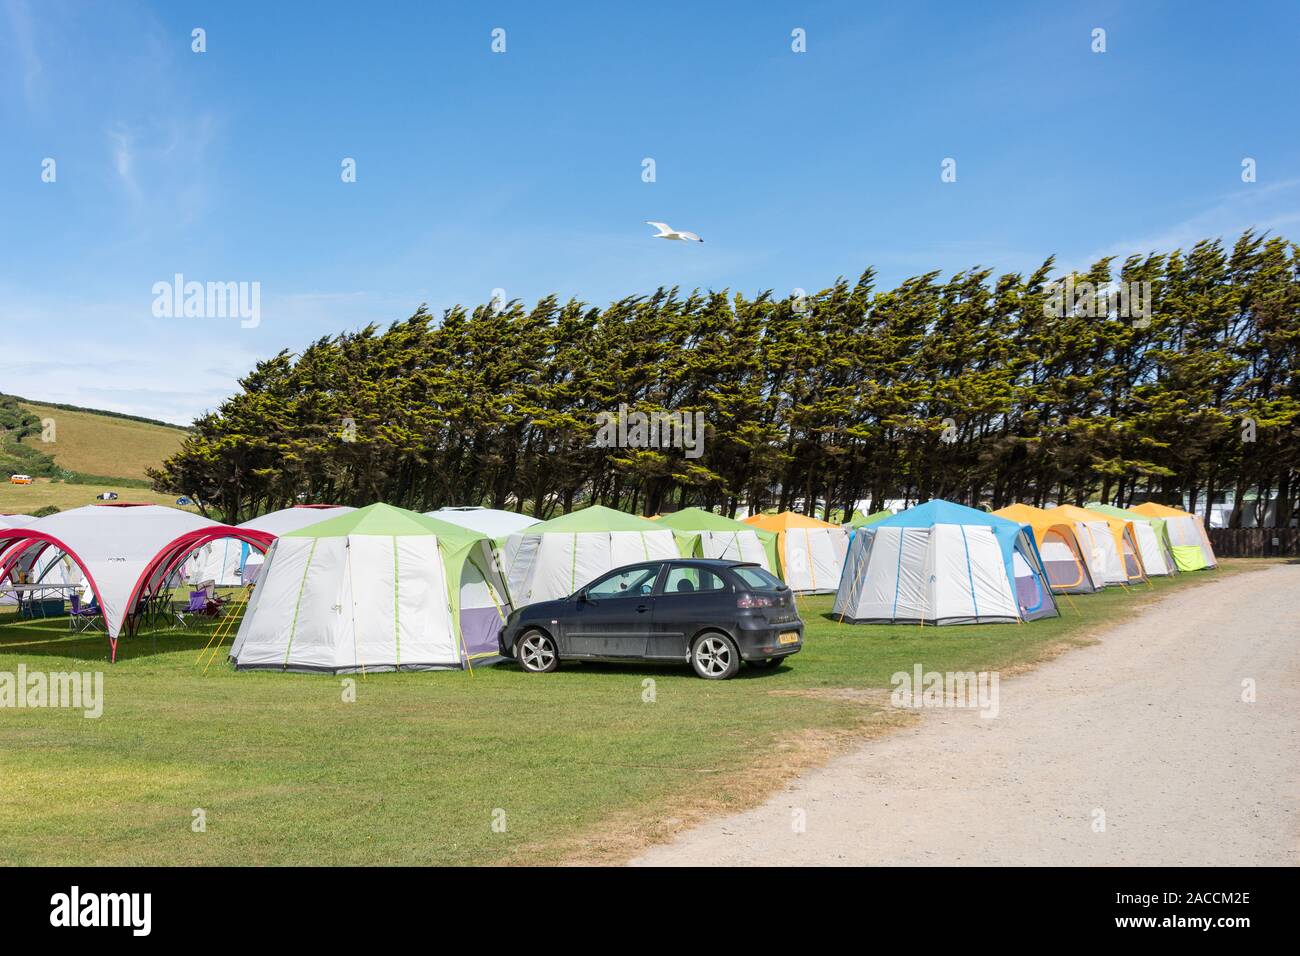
point(967, 388)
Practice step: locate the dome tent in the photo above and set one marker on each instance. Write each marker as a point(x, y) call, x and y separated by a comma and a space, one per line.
point(1063, 558)
point(489, 521)
point(381, 589)
point(1150, 536)
point(224, 561)
point(944, 563)
point(1187, 536)
point(703, 534)
point(810, 552)
point(554, 558)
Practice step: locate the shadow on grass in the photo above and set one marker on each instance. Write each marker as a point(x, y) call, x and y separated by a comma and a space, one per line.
point(651, 669)
point(51, 638)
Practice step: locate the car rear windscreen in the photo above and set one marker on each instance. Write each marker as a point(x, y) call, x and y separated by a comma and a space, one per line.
point(756, 578)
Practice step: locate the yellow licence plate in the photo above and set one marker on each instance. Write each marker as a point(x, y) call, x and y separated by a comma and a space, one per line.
point(789, 637)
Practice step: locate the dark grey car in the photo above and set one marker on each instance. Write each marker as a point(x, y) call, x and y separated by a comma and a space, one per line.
point(711, 614)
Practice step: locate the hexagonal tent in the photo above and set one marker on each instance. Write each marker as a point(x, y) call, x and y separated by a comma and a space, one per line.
point(377, 589)
point(224, 561)
point(492, 522)
point(554, 558)
point(703, 534)
point(944, 563)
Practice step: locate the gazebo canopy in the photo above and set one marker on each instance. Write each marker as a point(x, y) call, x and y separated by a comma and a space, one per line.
point(124, 551)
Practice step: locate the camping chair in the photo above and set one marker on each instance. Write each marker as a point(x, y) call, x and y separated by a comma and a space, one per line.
point(85, 619)
point(204, 603)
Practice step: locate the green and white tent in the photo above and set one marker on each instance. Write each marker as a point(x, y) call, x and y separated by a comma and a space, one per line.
point(703, 534)
point(379, 589)
point(553, 559)
point(860, 520)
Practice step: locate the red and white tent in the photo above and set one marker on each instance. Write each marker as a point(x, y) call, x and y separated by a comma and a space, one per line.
point(126, 552)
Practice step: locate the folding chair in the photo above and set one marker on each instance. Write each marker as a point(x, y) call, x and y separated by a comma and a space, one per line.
point(85, 619)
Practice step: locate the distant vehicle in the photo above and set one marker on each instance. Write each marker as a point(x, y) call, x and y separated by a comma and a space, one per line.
point(106, 496)
point(709, 613)
point(20, 479)
point(183, 501)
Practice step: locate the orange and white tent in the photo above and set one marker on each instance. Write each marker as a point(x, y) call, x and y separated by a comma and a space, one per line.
point(810, 552)
point(1108, 543)
point(1064, 561)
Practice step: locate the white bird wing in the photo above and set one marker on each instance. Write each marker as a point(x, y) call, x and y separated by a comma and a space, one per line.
point(690, 235)
point(663, 227)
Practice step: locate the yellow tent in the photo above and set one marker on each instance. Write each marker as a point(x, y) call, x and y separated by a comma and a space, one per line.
point(1108, 541)
point(1063, 559)
point(811, 553)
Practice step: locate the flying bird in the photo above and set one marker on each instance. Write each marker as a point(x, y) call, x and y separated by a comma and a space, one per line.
point(668, 232)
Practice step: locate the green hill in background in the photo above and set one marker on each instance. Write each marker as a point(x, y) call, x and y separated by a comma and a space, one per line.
point(91, 451)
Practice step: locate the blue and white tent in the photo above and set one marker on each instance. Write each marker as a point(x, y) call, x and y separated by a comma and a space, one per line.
point(944, 563)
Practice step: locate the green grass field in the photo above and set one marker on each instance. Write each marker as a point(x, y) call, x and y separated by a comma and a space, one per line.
point(28, 499)
point(414, 770)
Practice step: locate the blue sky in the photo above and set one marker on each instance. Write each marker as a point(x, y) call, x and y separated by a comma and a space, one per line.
point(522, 170)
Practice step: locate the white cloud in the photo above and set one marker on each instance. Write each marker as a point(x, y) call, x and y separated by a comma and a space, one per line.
point(1264, 207)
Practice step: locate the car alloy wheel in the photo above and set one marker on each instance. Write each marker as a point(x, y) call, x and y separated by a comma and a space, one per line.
point(715, 657)
point(537, 653)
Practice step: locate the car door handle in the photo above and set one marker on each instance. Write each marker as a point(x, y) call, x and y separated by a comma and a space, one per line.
point(642, 608)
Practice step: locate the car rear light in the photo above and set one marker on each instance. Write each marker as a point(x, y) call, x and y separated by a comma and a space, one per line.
point(755, 600)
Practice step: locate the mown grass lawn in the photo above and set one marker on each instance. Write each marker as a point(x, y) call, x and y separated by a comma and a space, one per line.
point(417, 768)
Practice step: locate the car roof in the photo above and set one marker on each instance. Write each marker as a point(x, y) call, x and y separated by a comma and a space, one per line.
point(694, 562)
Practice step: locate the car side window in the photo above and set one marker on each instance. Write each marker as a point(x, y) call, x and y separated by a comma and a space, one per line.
point(624, 583)
point(690, 580)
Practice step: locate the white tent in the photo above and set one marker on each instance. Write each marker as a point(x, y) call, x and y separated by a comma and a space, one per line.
point(224, 561)
point(554, 558)
point(489, 521)
point(943, 563)
point(379, 589)
point(125, 551)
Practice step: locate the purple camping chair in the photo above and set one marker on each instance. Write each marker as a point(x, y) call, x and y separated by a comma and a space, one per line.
point(85, 618)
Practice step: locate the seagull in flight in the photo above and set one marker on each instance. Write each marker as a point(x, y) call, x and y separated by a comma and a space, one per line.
point(668, 232)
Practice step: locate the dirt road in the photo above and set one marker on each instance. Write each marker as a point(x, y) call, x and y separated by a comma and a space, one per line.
point(1146, 732)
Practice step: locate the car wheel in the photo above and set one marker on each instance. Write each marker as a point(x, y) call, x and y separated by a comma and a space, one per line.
point(536, 653)
point(715, 656)
point(767, 664)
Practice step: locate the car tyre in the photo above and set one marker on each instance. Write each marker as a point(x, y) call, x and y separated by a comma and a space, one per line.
point(715, 656)
point(536, 652)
